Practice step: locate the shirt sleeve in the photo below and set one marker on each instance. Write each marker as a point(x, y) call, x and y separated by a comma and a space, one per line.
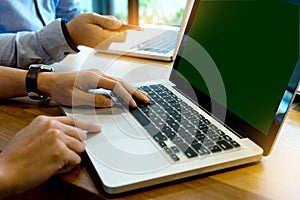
point(46, 46)
point(68, 9)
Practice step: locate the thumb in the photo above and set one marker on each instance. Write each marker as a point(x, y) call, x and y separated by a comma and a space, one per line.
point(103, 101)
point(107, 22)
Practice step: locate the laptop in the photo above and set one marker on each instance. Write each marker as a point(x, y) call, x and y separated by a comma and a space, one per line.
point(223, 105)
point(158, 42)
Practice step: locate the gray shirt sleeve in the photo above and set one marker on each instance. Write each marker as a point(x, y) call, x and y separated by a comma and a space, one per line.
point(24, 48)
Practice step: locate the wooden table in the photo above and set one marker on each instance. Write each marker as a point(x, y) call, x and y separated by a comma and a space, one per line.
point(275, 177)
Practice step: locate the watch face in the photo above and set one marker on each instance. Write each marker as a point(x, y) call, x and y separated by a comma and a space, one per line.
point(36, 96)
point(43, 68)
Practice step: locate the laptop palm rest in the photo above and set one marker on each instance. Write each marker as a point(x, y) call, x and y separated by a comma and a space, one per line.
point(134, 150)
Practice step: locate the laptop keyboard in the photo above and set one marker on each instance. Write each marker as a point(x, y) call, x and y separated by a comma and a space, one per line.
point(177, 128)
point(162, 43)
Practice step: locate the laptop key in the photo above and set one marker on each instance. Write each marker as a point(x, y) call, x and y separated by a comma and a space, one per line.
point(206, 121)
point(188, 151)
point(160, 137)
point(144, 121)
point(224, 145)
point(235, 144)
point(220, 132)
point(168, 150)
point(215, 149)
point(175, 126)
point(203, 127)
point(177, 140)
point(174, 149)
point(152, 130)
point(174, 157)
point(162, 144)
point(200, 149)
point(171, 135)
point(207, 142)
point(145, 88)
point(228, 138)
point(201, 137)
point(215, 137)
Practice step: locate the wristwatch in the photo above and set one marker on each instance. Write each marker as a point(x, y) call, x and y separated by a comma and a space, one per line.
point(31, 80)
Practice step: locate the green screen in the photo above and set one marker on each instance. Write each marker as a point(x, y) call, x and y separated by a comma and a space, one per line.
point(254, 45)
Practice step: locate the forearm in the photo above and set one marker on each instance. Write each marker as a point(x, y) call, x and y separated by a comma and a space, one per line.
point(12, 82)
point(24, 48)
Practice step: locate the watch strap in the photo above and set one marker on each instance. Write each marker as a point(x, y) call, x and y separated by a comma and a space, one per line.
point(31, 81)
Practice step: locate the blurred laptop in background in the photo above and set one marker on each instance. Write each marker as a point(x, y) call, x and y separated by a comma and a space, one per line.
point(155, 41)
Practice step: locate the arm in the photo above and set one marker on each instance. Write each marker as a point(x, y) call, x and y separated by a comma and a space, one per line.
point(70, 88)
point(52, 44)
point(12, 82)
point(45, 46)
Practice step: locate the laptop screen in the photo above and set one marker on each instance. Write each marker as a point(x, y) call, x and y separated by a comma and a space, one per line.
point(167, 12)
point(239, 58)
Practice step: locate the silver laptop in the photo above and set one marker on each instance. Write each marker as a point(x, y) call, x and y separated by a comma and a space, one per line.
point(218, 109)
point(158, 42)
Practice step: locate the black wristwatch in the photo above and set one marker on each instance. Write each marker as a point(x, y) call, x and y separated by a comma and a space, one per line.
point(31, 80)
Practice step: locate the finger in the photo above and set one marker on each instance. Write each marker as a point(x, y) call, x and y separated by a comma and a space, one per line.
point(128, 87)
point(65, 169)
point(92, 99)
point(72, 143)
point(80, 124)
point(110, 16)
point(117, 88)
point(103, 101)
point(73, 132)
point(72, 160)
point(64, 146)
point(136, 93)
point(141, 96)
point(106, 22)
point(65, 124)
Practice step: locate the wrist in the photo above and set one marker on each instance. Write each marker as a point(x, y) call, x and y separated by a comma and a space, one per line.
point(68, 36)
point(5, 182)
point(35, 88)
point(44, 82)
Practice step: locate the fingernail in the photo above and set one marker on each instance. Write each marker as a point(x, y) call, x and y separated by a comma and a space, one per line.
point(108, 103)
point(146, 99)
point(96, 129)
point(82, 135)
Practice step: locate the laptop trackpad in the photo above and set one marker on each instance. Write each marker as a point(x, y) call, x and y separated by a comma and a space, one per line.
point(122, 141)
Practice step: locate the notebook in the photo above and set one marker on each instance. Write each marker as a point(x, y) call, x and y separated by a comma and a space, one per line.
point(158, 42)
point(222, 106)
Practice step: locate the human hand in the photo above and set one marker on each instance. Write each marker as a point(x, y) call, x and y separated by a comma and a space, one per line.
point(47, 146)
point(71, 88)
point(91, 29)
